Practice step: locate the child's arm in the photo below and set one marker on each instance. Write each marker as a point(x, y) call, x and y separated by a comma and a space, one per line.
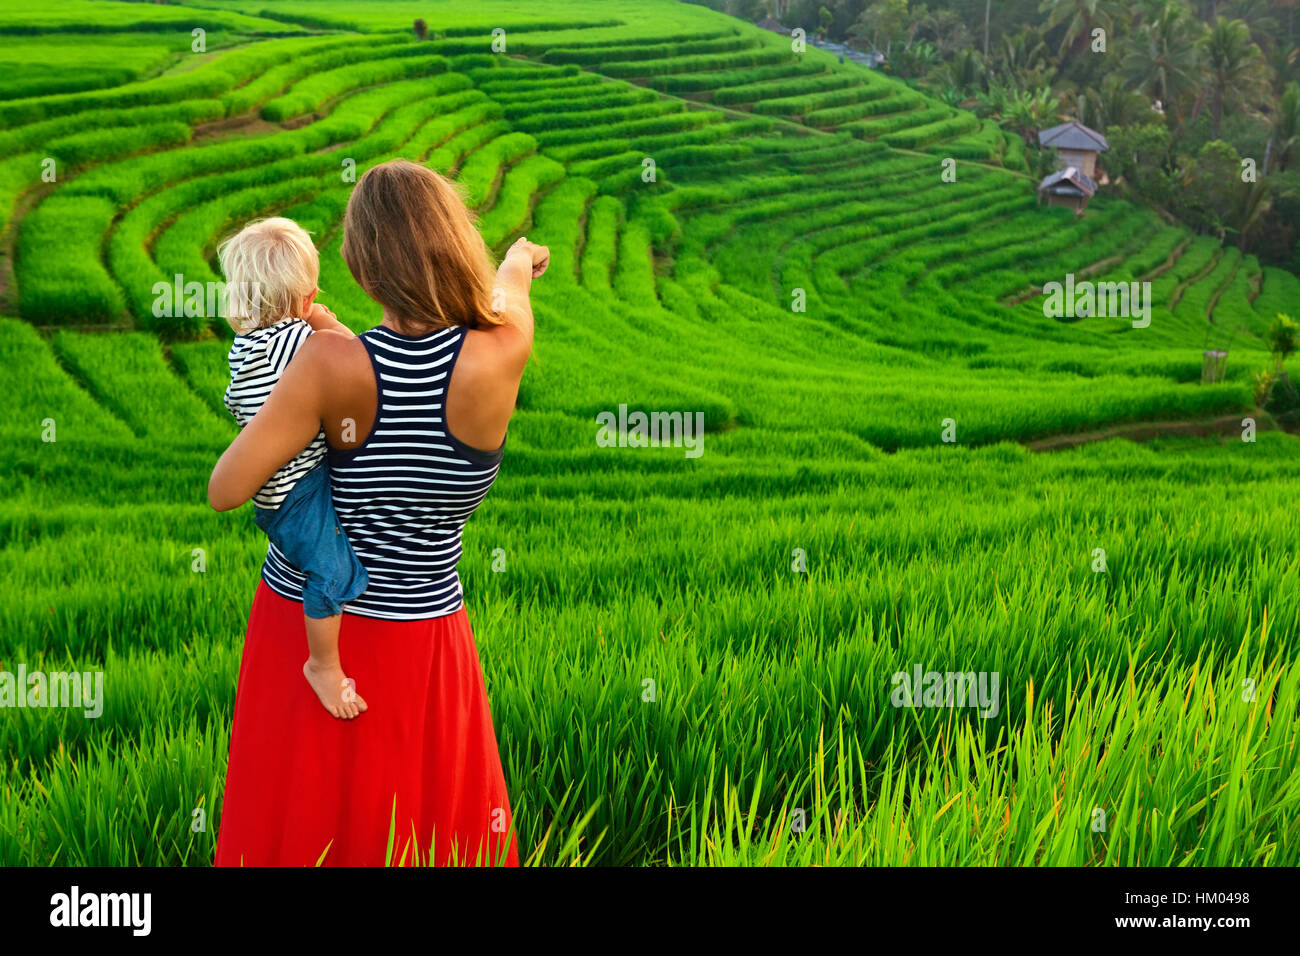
point(322, 319)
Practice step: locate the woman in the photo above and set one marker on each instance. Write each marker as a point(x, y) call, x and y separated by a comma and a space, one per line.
point(415, 413)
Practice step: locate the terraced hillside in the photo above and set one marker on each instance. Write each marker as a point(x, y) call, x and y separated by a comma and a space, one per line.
point(761, 235)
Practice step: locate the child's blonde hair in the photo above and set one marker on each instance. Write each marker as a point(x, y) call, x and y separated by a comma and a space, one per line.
point(270, 267)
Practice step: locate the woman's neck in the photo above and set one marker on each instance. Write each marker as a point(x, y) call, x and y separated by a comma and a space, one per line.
point(389, 321)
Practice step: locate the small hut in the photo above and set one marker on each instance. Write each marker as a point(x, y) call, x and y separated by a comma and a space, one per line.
point(1076, 148)
point(767, 23)
point(1067, 187)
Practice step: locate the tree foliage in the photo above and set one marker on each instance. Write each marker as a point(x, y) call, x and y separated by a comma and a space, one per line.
point(1177, 85)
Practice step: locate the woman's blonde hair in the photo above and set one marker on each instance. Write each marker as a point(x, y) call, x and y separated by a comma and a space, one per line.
point(270, 267)
point(412, 245)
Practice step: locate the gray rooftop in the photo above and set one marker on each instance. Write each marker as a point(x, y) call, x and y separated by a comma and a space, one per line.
point(1073, 135)
point(1068, 181)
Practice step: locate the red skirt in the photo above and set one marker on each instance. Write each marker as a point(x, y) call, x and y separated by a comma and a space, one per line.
point(422, 762)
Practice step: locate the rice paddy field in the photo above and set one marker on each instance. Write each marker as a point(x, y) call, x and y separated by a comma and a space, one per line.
point(690, 660)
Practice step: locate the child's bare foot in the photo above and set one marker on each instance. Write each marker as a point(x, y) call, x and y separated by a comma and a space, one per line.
point(337, 693)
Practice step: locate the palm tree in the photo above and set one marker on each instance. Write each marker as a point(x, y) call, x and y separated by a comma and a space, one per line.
point(1260, 19)
point(1253, 202)
point(1022, 111)
point(1023, 60)
point(1283, 57)
point(1112, 105)
point(1286, 128)
point(916, 60)
point(1083, 17)
point(1161, 59)
point(965, 71)
point(1234, 67)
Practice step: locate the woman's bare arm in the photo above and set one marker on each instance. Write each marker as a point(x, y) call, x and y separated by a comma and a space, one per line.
point(284, 426)
point(481, 396)
point(524, 262)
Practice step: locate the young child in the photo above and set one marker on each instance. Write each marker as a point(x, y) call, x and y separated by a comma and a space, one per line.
point(271, 270)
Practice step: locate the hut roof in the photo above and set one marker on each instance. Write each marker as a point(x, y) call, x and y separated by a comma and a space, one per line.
point(1073, 135)
point(1069, 181)
point(767, 23)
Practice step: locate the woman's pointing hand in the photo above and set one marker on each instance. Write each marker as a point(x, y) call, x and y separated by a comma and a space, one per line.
point(539, 257)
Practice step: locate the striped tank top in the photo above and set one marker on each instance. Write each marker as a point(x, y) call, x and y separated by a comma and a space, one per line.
point(404, 494)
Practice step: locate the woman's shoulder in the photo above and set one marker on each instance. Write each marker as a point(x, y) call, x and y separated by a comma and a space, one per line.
point(334, 358)
point(498, 352)
point(326, 345)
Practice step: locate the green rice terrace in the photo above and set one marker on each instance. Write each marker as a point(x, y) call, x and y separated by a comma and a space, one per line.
point(907, 463)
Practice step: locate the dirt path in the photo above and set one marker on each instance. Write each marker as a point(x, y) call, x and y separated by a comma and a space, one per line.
point(1256, 286)
point(234, 127)
point(9, 242)
point(1182, 286)
point(1169, 262)
point(1223, 425)
point(1034, 291)
point(1218, 293)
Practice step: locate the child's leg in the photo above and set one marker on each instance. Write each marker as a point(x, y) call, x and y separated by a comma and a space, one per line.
point(306, 531)
point(324, 671)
